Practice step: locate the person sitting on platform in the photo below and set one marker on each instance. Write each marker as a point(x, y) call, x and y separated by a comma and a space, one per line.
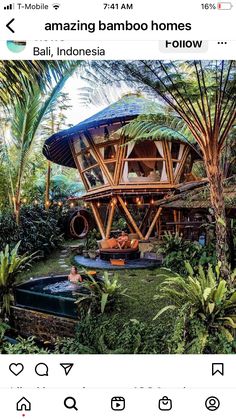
point(123, 241)
point(74, 276)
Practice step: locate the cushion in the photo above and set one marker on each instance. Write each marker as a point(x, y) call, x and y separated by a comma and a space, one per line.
point(134, 244)
point(112, 243)
point(104, 244)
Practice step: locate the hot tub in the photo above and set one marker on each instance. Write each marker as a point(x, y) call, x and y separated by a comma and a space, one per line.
point(54, 295)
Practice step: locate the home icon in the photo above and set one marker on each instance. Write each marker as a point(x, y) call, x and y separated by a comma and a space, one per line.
point(23, 405)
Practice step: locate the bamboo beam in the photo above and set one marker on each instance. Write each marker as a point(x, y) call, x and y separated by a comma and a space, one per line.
point(110, 218)
point(141, 226)
point(153, 223)
point(169, 163)
point(47, 191)
point(130, 218)
point(182, 163)
point(98, 219)
point(83, 178)
point(120, 159)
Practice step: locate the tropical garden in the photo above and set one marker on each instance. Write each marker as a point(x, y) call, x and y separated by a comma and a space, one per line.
point(128, 312)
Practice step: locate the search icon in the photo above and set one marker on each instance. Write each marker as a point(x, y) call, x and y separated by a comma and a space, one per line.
point(70, 403)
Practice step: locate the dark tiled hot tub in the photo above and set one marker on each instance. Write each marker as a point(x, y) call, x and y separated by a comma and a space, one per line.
point(54, 295)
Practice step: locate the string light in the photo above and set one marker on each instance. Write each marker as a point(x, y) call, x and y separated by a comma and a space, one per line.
point(36, 202)
point(98, 204)
point(24, 200)
point(60, 204)
point(72, 204)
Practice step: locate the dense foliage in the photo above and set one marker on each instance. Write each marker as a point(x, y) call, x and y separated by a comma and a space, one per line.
point(176, 250)
point(105, 335)
point(205, 306)
point(38, 230)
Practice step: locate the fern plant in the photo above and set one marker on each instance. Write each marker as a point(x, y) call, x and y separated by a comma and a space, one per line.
point(202, 296)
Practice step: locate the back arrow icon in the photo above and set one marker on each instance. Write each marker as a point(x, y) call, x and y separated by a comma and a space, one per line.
point(9, 27)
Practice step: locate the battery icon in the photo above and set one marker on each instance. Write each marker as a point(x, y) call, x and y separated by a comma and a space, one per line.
point(224, 5)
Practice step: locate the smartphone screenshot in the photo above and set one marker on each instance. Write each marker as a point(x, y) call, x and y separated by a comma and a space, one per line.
point(117, 209)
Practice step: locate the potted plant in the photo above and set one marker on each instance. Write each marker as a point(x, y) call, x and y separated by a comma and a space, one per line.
point(92, 245)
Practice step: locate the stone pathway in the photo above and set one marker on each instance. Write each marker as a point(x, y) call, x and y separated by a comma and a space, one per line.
point(63, 255)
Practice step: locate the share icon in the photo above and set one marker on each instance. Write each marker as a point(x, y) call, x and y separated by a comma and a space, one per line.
point(67, 367)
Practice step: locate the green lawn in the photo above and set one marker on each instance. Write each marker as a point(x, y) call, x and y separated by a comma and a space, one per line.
point(140, 284)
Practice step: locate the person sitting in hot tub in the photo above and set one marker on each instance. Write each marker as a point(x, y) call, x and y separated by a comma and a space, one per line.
point(74, 276)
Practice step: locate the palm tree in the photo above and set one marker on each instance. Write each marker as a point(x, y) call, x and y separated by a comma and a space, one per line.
point(28, 113)
point(203, 94)
point(14, 75)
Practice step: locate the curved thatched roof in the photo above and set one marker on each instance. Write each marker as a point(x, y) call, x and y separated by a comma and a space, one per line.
point(57, 147)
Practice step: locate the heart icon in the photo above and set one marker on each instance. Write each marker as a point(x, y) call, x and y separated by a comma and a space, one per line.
point(16, 369)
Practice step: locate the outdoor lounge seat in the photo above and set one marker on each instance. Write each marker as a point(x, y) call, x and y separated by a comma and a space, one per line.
point(107, 250)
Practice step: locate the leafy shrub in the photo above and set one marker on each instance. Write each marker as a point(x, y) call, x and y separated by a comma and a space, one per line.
point(205, 306)
point(23, 346)
point(176, 250)
point(101, 293)
point(103, 335)
point(10, 265)
point(38, 230)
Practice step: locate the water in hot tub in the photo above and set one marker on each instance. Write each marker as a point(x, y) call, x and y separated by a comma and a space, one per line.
point(62, 288)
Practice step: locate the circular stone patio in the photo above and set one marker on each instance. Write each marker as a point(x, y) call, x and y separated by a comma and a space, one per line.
point(129, 264)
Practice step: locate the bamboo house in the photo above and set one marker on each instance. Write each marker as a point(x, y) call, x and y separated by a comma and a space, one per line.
point(122, 177)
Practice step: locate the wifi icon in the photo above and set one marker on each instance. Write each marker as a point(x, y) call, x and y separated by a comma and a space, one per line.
point(56, 6)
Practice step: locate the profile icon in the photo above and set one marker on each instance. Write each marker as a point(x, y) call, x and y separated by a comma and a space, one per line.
point(212, 403)
point(16, 46)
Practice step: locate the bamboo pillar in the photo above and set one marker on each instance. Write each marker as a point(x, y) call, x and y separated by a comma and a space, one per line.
point(110, 218)
point(153, 223)
point(98, 219)
point(47, 190)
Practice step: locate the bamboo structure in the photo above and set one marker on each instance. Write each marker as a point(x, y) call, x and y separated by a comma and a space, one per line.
point(122, 178)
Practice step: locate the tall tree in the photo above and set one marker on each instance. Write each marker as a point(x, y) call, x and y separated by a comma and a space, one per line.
point(28, 113)
point(203, 94)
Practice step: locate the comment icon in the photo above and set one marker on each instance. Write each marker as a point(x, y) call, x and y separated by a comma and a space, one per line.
point(41, 369)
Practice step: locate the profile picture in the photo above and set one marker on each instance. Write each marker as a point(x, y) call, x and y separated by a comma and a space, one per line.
point(16, 46)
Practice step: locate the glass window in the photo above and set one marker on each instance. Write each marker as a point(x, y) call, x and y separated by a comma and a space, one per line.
point(109, 152)
point(144, 149)
point(174, 147)
point(86, 160)
point(187, 168)
point(145, 171)
point(81, 143)
point(111, 168)
point(105, 133)
point(95, 177)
